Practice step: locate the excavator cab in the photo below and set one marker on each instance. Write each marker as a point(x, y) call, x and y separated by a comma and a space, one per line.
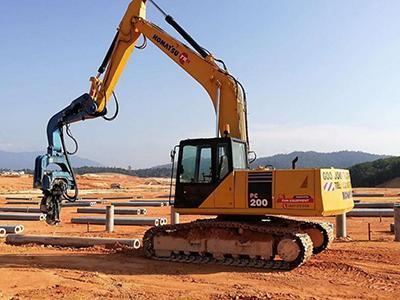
point(203, 164)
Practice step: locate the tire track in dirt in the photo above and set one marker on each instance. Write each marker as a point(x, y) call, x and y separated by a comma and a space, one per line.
point(343, 273)
point(257, 296)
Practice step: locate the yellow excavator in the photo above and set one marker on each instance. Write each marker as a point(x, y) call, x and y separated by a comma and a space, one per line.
point(254, 208)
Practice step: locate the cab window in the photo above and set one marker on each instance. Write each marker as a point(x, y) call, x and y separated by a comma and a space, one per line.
point(196, 164)
point(239, 156)
point(205, 169)
point(188, 164)
point(223, 162)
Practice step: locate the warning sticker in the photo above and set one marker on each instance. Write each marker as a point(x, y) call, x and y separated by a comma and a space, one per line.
point(329, 186)
point(297, 201)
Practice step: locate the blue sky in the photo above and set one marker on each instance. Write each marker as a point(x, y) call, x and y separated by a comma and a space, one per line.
point(320, 75)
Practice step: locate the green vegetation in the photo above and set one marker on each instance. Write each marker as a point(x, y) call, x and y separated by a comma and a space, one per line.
point(150, 172)
point(368, 170)
point(312, 159)
point(373, 173)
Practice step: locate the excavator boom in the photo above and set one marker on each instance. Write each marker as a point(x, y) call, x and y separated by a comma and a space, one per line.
point(223, 89)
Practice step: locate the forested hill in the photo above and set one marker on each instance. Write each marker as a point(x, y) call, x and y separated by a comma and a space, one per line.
point(342, 159)
point(26, 160)
point(150, 172)
point(311, 159)
point(374, 173)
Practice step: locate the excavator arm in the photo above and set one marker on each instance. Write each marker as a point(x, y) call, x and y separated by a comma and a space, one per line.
point(226, 93)
point(223, 88)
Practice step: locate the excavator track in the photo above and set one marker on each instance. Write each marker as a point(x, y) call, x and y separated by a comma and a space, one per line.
point(324, 230)
point(298, 243)
point(328, 236)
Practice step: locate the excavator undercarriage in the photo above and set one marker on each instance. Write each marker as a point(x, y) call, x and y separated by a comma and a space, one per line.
point(262, 242)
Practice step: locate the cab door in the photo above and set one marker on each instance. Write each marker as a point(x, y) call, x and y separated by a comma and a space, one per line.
point(195, 176)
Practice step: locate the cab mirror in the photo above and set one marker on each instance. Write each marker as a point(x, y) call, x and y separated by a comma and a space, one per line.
point(251, 156)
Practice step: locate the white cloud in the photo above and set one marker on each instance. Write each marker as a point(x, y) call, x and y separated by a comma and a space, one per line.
point(6, 146)
point(268, 139)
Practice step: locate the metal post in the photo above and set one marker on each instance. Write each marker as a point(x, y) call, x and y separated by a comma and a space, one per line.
point(369, 231)
point(174, 216)
point(217, 109)
point(110, 218)
point(397, 222)
point(341, 228)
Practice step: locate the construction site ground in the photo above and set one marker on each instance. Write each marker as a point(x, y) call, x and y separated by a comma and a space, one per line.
point(355, 268)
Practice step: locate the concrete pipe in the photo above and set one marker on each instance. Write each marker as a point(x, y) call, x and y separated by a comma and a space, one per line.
point(119, 198)
point(371, 212)
point(66, 241)
point(13, 229)
point(117, 221)
point(166, 196)
point(22, 202)
point(79, 204)
point(20, 229)
point(137, 244)
point(151, 200)
point(97, 201)
point(2, 232)
point(22, 216)
point(373, 205)
point(361, 195)
point(20, 209)
point(95, 210)
point(138, 204)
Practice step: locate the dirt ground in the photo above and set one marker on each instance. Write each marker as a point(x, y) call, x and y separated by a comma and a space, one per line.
point(354, 268)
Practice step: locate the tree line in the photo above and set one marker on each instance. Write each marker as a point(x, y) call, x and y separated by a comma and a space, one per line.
point(371, 174)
